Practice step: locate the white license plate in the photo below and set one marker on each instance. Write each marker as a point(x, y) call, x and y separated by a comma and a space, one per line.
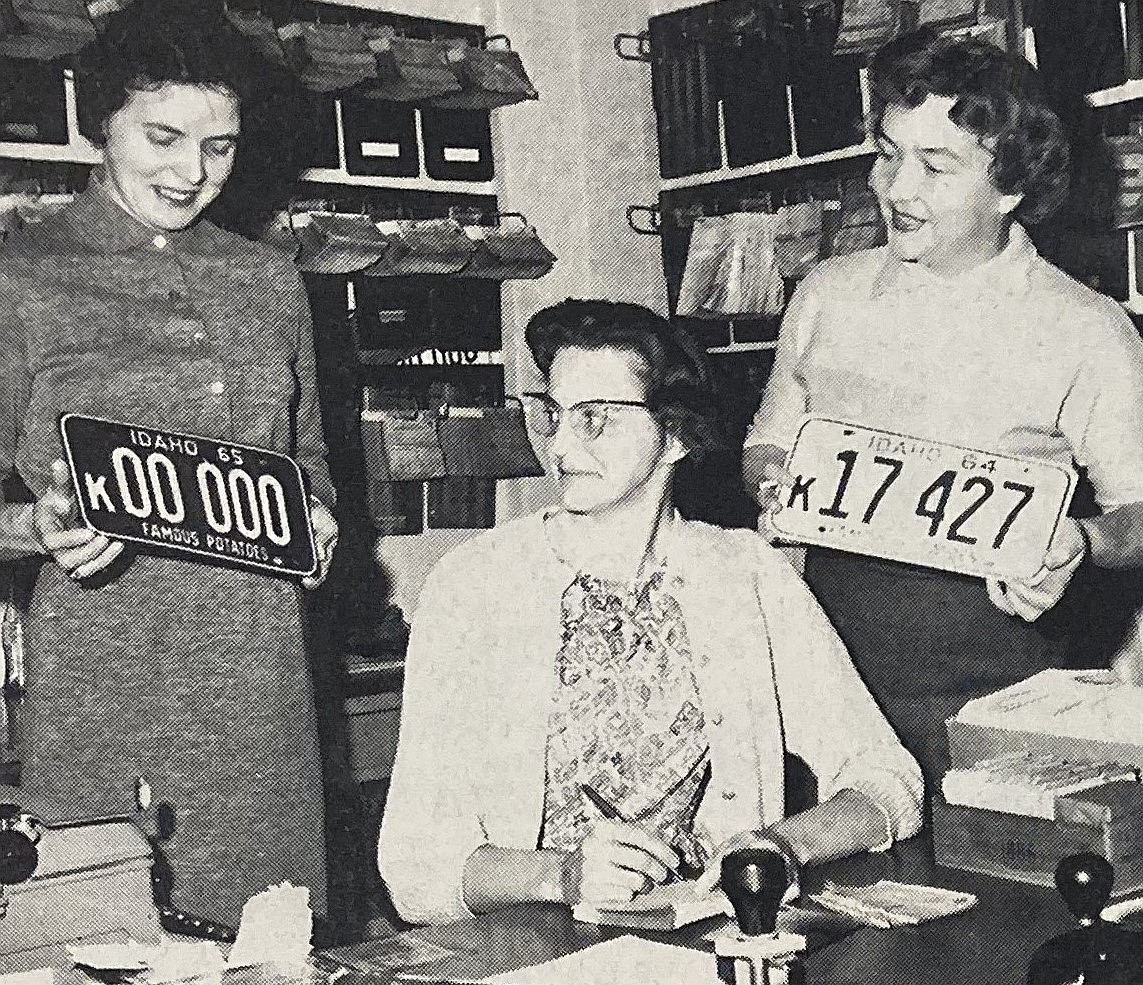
point(211, 501)
point(922, 502)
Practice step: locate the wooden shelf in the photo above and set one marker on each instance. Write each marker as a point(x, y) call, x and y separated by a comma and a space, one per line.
point(790, 162)
point(80, 150)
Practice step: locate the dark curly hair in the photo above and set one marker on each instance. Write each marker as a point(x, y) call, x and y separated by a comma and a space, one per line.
point(998, 96)
point(153, 43)
point(678, 376)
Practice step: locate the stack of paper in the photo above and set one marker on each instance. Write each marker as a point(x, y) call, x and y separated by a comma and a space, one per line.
point(661, 908)
point(276, 928)
point(1027, 783)
point(892, 904)
point(1063, 703)
point(622, 961)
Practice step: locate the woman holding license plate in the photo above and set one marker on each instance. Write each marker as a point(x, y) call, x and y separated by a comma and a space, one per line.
point(187, 680)
point(957, 331)
point(599, 697)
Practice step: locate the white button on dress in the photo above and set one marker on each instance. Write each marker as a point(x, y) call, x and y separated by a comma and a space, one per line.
point(217, 388)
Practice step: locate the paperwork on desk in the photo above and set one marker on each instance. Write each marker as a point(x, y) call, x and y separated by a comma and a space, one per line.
point(622, 961)
point(667, 907)
point(276, 928)
point(1034, 748)
point(893, 904)
point(169, 961)
point(41, 976)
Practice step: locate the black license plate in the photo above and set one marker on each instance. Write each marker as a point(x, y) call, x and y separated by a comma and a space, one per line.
point(211, 501)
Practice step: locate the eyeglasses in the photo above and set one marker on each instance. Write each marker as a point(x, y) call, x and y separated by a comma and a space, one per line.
point(588, 419)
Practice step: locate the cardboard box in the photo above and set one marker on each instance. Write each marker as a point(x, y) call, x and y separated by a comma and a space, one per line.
point(1107, 820)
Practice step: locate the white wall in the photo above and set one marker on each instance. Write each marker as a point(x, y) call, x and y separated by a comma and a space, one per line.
point(572, 162)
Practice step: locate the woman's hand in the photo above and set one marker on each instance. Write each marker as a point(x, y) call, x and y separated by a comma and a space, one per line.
point(79, 551)
point(325, 541)
point(773, 490)
point(616, 862)
point(1031, 598)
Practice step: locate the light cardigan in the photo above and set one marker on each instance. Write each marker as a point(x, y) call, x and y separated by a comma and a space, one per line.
point(480, 674)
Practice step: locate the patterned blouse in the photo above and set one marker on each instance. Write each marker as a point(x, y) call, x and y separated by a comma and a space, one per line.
point(626, 719)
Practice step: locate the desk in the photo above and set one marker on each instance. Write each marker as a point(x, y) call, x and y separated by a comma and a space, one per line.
point(988, 945)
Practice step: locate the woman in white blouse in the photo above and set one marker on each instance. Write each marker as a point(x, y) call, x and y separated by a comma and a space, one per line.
point(608, 652)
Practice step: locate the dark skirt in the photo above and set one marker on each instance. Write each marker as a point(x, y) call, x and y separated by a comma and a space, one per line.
point(196, 679)
point(926, 642)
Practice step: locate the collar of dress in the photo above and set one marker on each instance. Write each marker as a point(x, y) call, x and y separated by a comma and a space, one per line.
point(656, 558)
point(98, 220)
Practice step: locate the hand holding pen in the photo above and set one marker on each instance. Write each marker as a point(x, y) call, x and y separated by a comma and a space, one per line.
point(617, 860)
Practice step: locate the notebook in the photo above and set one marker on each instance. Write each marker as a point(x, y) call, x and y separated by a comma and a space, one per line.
point(666, 907)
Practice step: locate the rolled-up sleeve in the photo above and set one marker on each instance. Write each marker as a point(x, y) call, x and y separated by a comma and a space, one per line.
point(1102, 414)
point(431, 823)
point(828, 716)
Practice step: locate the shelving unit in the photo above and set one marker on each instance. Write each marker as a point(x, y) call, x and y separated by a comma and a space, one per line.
point(791, 162)
point(79, 150)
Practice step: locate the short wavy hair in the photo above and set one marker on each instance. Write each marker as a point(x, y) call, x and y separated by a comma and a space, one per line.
point(998, 96)
point(153, 43)
point(679, 381)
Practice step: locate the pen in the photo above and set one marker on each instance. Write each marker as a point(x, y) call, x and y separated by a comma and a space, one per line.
point(604, 806)
point(609, 812)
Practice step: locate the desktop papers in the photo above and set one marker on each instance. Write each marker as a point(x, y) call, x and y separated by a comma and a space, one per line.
point(666, 907)
point(622, 961)
point(276, 928)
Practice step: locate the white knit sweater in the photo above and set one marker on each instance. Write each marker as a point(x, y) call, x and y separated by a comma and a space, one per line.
point(771, 671)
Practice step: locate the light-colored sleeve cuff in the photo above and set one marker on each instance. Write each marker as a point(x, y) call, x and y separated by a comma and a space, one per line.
point(889, 828)
point(898, 795)
point(17, 539)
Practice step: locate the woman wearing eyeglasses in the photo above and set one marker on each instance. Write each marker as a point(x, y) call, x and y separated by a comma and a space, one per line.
point(598, 697)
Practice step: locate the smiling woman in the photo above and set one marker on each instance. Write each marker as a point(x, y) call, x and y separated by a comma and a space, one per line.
point(145, 669)
point(959, 331)
point(169, 151)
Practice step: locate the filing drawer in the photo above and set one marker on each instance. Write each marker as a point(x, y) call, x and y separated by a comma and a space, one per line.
point(458, 144)
point(380, 138)
point(33, 110)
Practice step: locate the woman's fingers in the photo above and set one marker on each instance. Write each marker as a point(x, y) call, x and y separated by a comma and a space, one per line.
point(626, 856)
point(91, 554)
point(65, 540)
point(325, 541)
point(998, 596)
point(636, 837)
point(105, 557)
point(637, 860)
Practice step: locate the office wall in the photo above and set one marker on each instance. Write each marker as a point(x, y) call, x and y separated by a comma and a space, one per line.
point(572, 162)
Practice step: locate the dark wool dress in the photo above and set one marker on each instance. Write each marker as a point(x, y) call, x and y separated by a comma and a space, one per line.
point(195, 678)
